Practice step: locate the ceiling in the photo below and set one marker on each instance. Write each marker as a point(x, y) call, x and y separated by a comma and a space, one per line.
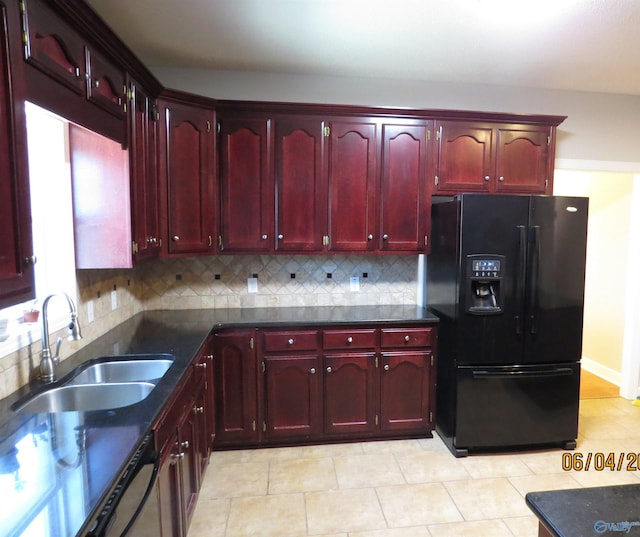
point(581, 45)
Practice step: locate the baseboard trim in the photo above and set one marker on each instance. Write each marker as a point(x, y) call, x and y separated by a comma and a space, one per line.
point(608, 374)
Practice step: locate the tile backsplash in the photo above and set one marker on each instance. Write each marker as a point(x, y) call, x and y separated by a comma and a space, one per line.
point(219, 282)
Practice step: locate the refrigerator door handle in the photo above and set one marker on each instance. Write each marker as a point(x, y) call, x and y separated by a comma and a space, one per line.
point(555, 372)
point(520, 278)
point(533, 279)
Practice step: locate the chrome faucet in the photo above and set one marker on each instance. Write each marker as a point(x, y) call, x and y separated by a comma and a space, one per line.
point(49, 361)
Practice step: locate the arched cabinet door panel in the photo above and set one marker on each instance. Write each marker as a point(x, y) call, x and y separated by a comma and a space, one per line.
point(188, 178)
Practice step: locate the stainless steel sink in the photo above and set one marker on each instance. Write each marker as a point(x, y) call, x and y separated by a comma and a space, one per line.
point(122, 371)
point(84, 397)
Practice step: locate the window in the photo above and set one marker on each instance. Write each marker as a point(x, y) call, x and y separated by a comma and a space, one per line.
point(52, 226)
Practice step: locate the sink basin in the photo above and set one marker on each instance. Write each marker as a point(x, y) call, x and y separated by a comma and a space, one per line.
point(84, 397)
point(122, 371)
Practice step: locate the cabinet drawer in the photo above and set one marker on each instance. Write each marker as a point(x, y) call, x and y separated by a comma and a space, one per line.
point(290, 341)
point(405, 337)
point(349, 339)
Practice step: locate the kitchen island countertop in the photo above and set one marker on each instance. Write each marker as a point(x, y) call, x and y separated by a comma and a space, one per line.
point(59, 468)
point(612, 510)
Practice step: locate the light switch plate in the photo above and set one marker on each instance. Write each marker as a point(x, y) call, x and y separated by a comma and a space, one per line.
point(114, 300)
point(90, 312)
point(354, 283)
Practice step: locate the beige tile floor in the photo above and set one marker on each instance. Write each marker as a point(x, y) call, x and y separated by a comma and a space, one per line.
point(404, 488)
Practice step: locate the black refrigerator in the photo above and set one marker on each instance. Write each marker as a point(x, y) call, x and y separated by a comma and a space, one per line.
point(506, 278)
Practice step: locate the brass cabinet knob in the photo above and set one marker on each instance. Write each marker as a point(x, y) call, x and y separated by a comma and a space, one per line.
point(329, 369)
point(349, 339)
point(198, 409)
point(370, 237)
point(264, 237)
point(386, 367)
point(407, 338)
point(281, 236)
point(290, 341)
point(385, 237)
point(501, 178)
point(486, 177)
point(312, 371)
point(175, 238)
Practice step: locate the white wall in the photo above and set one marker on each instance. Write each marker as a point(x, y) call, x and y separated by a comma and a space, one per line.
point(599, 127)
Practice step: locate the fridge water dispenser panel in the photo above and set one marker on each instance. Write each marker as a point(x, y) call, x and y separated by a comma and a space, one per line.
point(484, 276)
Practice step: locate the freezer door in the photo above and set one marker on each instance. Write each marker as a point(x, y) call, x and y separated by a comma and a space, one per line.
point(493, 226)
point(517, 406)
point(555, 285)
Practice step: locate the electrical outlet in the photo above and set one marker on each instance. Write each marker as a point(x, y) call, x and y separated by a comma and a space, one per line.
point(252, 285)
point(114, 300)
point(354, 284)
point(90, 313)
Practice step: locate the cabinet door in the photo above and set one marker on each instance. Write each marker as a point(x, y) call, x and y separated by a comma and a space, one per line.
point(403, 200)
point(246, 186)
point(236, 403)
point(300, 185)
point(293, 393)
point(106, 85)
point(189, 464)
point(168, 489)
point(352, 186)
point(144, 174)
point(188, 152)
point(465, 157)
point(53, 47)
point(406, 391)
point(522, 164)
point(350, 393)
point(16, 251)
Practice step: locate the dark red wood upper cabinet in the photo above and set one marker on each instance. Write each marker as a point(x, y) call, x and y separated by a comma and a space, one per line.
point(53, 47)
point(493, 157)
point(188, 178)
point(353, 223)
point(404, 193)
point(465, 157)
point(106, 85)
point(246, 185)
point(16, 250)
point(522, 160)
point(300, 182)
point(143, 123)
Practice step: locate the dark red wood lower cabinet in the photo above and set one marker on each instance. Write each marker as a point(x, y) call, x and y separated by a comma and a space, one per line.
point(293, 404)
point(350, 393)
point(406, 391)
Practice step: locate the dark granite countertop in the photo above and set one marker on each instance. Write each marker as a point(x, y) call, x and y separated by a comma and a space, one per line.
point(58, 468)
point(613, 510)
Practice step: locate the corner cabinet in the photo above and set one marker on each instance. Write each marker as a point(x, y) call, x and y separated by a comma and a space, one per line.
point(16, 250)
point(143, 134)
point(324, 383)
point(183, 439)
point(486, 157)
point(187, 177)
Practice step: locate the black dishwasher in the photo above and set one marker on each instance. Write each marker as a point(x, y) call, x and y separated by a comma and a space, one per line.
point(133, 502)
